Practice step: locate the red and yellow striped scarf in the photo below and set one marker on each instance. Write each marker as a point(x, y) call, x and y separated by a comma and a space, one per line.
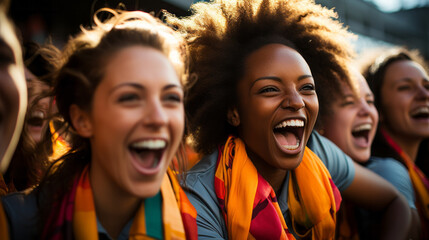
point(419, 180)
point(250, 206)
point(76, 218)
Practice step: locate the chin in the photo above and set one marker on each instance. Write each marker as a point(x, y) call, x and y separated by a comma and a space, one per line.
point(361, 158)
point(291, 163)
point(147, 190)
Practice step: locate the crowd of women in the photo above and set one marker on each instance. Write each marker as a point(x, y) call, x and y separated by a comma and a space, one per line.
point(296, 136)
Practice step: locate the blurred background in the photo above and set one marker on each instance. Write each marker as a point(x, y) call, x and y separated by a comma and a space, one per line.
point(376, 22)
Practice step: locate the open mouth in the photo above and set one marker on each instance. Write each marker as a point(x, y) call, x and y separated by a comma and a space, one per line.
point(148, 153)
point(289, 133)
point(361, 133)
point(421, 113)
point(36, 118)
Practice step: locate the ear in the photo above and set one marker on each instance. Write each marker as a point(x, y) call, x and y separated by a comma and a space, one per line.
point(80, 121)
point(233, 117)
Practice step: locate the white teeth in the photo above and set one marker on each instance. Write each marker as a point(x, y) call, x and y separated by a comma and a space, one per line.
point(38, 114)
point(290, 123)
point(363, 127)
point(291, 147)
point(150, 144)
point(421, 110)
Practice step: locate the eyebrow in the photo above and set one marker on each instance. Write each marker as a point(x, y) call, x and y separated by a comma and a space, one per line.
point(140, 87)
point(407, 79)
point(349, 95)
point(129, 84)
point(279, 79)
point(169, 86)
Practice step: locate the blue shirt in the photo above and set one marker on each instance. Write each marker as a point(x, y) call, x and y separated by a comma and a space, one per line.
point(201, 192)
point(395, 173)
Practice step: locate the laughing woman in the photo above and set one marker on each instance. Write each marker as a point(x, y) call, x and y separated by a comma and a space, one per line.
point(120, 91)
point(400, 82)
point(350, 121)
point(252, 109)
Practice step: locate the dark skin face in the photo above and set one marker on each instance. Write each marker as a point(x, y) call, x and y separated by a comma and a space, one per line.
point(276, 110)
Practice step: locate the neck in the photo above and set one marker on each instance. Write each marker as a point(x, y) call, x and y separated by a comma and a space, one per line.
point(276, 180)
point(274, 176)
point(410, 145)
point(113, 206)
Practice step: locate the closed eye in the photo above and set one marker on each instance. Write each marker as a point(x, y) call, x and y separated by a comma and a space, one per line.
point(173, 97)
point(268, 89)
point(128, 97)
point(370, 101)
point(308, 87)
point(404, 87)
point(348, 101)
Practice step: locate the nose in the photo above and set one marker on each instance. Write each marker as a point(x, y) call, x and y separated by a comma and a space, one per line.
point(293, 101)
point(155, 114)
point(422, 93)
point(365, 108)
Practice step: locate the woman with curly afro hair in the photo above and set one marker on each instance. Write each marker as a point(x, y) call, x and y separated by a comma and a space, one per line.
point(252, 106)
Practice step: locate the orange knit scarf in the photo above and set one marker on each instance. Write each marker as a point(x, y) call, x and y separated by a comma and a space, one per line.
point(250, 206)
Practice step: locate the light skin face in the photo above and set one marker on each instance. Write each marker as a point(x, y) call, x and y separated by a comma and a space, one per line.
point(13, 94)
point(135, 124)
point(36, 119)
point(277, 89)
point(405, 101)
point(353, 122)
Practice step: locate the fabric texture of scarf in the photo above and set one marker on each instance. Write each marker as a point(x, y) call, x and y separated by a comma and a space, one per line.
point(76, 218)
point(4, 189)
point(419, 180)
point(249, 204)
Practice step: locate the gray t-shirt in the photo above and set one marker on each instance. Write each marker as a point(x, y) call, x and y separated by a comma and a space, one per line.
point(201, 192)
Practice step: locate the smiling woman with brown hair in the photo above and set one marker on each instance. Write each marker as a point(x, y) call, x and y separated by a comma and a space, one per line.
point(350, 121)
point(120, 93)
point(252, 109)
point(400, 82)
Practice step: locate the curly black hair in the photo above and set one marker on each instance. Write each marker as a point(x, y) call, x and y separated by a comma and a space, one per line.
point(222, 33)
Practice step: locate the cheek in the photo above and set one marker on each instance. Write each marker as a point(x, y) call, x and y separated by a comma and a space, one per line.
point(312, 105)
point(374, 114)
point(255, 114)
point(114, 121)
point(391, 110)
point(337, 127)
point(176, 129)
point(177, 121)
